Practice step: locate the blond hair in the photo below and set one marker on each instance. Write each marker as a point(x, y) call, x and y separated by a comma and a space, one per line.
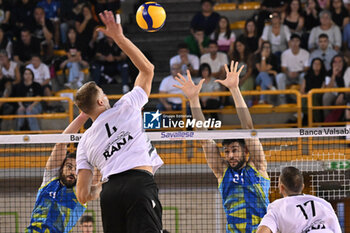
point(86, 97)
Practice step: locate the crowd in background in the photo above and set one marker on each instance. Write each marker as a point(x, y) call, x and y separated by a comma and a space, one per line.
point(286, 44)
point(303, 44)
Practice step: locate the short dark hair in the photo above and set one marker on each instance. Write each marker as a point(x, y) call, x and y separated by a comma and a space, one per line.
point(86, 97)
point(323, 35)
point(86, 218)
point(227, 142)
point(213, 42)
point(210, 1)
point(292, 179)
point(295, 35)
point(182, 45)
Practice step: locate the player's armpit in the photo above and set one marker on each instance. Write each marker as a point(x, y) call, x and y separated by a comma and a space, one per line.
point(213, 157)
point(257, 155)
point(264, 229)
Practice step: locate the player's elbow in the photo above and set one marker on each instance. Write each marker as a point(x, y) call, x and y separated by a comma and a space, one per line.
point(82, 196)
point(149, 70)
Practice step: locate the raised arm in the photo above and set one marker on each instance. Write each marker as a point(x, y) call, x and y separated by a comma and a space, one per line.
point(115, 31)
point(211, 150)
point(60, 149)
point(257, 155)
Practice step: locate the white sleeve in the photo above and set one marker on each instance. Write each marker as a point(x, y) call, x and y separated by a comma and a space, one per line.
point(49, 174)
point(347, 77)
point(312, 39)
point(137, 97)
point(264, 34)
point(47, 72)
point(328, 80)
point(307, 57)
point(337, 36)
point(287, 32)
point(163, 86)
point(284, 59)
point(82, 160)
point(195, 62)
point(269, 220)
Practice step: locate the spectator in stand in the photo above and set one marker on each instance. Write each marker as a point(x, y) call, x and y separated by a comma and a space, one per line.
point(326, 27)
point(86, 224)
point(42, 29)
point(5, 14)
point(5, 42)
point(9, 68)
point(70, 9)
point(314, 78)
point(186, 60)
point(224, 36)
point(21, 14)
point(24, 47)
point(335, 78)
point(324, 4)
point(206, 18)
point(109, 61)
point(197, 42)
point(293, 17)
point(167, 87)
point(346, 38)
point(340, 15)
point(312, 11)
point(216, 60)
point(250, 36)
point(244, 58)
point(324, 52)
point(209, 85)
point(52, 10)
point(5, 91)
point(110, 5)
point(294, 61)
point(72, 42)
point(266, 68)
point(74, 63)
point(28, 88)
point(277, 34)
point(41, 74)
point(86, 28)
point(267, 7)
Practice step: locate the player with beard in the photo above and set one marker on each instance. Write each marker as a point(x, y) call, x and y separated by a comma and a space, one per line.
point(243, 183)
point(56, 208)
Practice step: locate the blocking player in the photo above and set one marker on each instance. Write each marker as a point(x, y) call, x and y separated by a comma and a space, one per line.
point(118, 146)
point(243, 183)
point(298, 212)
point(56, 207)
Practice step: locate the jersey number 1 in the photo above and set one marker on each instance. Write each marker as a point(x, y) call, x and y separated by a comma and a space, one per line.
point(312, 207)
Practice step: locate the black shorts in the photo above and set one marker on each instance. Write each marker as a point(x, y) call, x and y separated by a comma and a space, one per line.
point(130, 204)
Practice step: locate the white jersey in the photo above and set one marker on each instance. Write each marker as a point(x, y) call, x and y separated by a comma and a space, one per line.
point(301, 214)
point(116, 141)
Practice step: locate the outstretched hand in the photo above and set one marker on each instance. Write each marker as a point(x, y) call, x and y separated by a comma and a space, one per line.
point(232, 76)
point(113, 29)
point(190, 89)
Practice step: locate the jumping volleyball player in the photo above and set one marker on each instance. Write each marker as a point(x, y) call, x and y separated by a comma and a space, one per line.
point(118, 146)
point(56, 208)
point(243, 184)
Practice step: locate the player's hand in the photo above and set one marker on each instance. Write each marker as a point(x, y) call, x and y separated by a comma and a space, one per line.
point(112, 29)
point(190, 89)
point(232, 77)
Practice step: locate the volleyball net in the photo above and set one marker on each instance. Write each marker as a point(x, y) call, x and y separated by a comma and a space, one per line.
point(188, 189)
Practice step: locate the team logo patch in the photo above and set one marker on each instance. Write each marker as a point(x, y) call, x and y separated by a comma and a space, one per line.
point(152, 120)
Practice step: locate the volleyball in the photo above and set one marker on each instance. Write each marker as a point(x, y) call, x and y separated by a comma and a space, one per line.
point(150, 16)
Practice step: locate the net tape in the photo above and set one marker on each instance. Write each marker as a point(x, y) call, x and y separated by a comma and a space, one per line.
point(192, 135)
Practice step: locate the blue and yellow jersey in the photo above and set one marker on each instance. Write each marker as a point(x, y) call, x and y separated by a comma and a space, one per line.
point(245, 198)
point(56, 209)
